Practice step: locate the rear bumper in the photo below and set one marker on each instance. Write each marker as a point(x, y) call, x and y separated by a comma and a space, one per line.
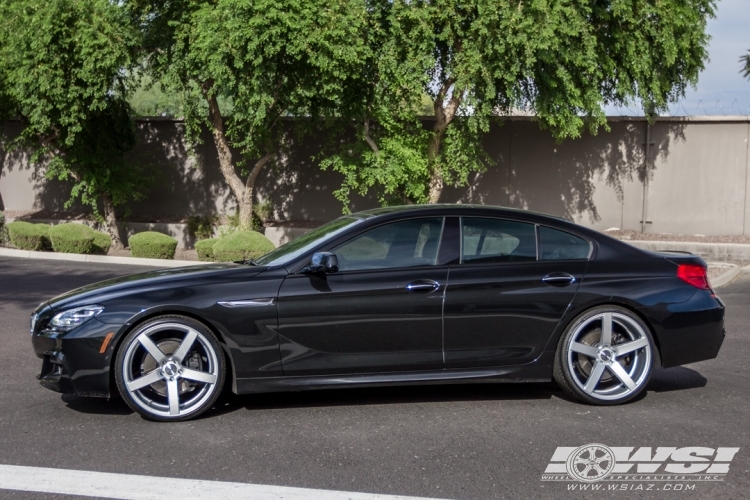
point(73, 364)
point(689, 331)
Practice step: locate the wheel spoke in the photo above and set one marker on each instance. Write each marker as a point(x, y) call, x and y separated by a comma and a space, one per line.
point(152, 349)
point(584, 349)
point(606, 329)
point(148, 379)
point(593, 380)
point(599, 469)
point(173, 395)
point(198, 376)
point(620, 373)
point(631, 346)
point(187, 343)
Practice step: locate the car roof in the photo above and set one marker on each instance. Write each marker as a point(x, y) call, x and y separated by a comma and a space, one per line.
point(457, 208)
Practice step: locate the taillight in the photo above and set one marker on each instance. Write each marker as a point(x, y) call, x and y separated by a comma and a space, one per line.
point(695, 275)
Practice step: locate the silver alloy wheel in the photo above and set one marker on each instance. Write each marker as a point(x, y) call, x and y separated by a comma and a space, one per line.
point(190, 372)
point(612, 364)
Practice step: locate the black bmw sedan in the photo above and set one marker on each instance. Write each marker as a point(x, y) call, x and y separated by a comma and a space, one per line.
point(404, 295)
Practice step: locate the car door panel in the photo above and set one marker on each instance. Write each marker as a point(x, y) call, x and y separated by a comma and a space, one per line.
point(381, 311)
point(361, 322)
point(502, 304)
point(504, 313)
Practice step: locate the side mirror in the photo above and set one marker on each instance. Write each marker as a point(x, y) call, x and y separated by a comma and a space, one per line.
point(321, 263)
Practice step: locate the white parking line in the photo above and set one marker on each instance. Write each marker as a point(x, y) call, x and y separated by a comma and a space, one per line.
point(127, 486)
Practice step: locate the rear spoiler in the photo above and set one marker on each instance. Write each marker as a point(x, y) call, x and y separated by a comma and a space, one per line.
point(680, 257)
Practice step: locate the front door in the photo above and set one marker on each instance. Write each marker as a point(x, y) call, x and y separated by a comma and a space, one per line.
point(381, 312)
point(507, 294)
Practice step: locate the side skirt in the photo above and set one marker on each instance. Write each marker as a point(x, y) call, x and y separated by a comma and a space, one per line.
point(539, 370)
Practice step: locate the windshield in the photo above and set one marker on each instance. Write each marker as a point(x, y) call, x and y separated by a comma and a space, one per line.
point(293, 249)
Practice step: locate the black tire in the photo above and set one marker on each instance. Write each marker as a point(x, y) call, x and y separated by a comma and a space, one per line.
point(192, 375)
point(582, 353)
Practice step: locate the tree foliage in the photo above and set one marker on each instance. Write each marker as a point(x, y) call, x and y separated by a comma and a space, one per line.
point(63, 66)
point(745, 60)
point(270, 59)
point(479, 60)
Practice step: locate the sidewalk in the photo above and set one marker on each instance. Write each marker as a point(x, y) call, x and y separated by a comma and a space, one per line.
point(102, 259)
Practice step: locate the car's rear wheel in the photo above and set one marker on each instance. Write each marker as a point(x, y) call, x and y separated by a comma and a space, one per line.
point(170, 368)
point(605, 356)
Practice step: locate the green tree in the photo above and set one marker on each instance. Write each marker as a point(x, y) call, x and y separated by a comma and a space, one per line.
point(745, 60)
point(149, 98)
point(479, 60)
point(269, 58)
point(62, 73)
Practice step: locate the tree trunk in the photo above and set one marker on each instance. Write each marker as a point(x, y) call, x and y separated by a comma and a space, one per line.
point(111, 219)
point(248, 196)
point(444, 114)
point(226, 161)
point(243, 191)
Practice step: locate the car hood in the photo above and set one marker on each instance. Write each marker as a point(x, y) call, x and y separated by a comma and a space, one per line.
point(147, 280)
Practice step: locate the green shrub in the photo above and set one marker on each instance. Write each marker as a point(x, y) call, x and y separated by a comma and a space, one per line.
point(71, 238)
point(4, 238)
point(202, 227)
point(102, 242)
point(205, 249)
point(28, 236)
point(257, 223)
point(152, 245)
point(242, 245)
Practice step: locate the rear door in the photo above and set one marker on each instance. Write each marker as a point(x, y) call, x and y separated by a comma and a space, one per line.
point(381, 312)
point(506, 296)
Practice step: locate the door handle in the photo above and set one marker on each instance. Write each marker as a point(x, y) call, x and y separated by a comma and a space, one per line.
point(423, 286)
point(559, 279)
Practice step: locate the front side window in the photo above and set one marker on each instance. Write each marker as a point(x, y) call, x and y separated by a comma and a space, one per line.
point(559, 245)
point(293, 249)
point(406, 243)
point(496, 241)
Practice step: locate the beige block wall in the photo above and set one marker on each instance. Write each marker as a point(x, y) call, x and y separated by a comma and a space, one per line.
point(698, 176)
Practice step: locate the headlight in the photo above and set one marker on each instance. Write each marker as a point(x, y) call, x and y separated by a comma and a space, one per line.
point(72, 318)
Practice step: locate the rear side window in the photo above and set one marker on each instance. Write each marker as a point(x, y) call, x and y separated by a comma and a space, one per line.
point(496, 240)
point(407, 243)
point(559, 245)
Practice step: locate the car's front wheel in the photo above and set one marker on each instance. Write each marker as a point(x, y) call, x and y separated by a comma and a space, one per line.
point(170, 368)
point(605, 356)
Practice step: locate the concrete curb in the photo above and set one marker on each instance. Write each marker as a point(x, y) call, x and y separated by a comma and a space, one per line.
point(719, 252)
point(100, 259)
point(727, 277)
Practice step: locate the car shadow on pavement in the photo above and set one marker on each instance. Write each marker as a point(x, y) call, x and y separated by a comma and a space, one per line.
point(675, 379)
point(96, 406)
point(361, 396)
point(663, 380)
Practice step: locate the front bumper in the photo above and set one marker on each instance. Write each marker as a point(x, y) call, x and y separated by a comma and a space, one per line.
point(74, 363)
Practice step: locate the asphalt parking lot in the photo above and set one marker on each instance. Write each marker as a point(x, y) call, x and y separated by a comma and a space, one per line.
point(473, 441)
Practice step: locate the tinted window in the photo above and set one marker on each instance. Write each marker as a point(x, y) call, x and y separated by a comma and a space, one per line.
point(559, 245)
point(496, 240)
point(399, 244)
